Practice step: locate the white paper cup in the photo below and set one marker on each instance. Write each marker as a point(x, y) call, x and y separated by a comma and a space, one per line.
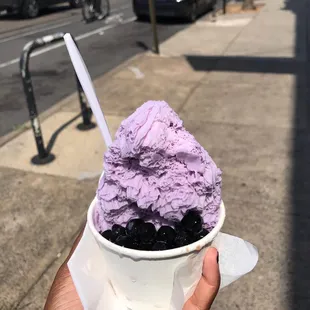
point(153, 280)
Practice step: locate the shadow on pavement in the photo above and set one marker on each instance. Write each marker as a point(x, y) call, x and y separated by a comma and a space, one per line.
point(142, 45)
point(54, 136)
point(300, 180)
point(173, 20)
point(163, 21)
point(299, 243)
point(245, 64)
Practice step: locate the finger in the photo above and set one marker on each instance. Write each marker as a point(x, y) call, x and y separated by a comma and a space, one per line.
point(75, 244)
point(63, 295)
point(208, 285)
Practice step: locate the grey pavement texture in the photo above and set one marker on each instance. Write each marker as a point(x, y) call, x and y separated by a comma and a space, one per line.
point(244, 97)
point(39, 217)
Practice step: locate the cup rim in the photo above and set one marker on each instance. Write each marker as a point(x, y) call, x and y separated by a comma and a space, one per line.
point(151, 255)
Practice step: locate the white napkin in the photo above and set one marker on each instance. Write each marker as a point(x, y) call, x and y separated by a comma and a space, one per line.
point(237, 258)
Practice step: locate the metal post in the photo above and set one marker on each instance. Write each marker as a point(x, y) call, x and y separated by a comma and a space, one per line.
point(43, 156)
point(224, 6)
point(154, 28)
point(214, 11)
point(85, 111)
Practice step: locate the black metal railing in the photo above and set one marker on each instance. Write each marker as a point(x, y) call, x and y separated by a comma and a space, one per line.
point(44, 155)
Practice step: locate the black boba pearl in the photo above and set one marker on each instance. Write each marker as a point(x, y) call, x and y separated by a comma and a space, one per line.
point(160, 246)
point(147, 232)
point(107, 234)
point(192, 222)
point(118, 230)
point(182, 239)
point(124, 241)
point(200, 234)
point(134, 244)
point(166, 234)
point(146, 246)
point(132, 227)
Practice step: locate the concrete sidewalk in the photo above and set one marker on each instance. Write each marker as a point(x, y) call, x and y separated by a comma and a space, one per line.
point(239, 84)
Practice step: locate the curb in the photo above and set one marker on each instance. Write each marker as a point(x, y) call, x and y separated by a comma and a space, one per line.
point(60, 104)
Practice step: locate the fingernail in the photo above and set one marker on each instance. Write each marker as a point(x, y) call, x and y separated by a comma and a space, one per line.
point(217, 258)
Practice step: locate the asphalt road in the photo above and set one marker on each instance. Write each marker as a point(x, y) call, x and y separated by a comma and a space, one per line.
point(104, 45)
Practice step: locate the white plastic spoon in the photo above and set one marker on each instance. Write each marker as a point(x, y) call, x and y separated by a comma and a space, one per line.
point(87, 85)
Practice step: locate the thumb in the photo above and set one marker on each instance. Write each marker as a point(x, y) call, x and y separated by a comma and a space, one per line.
point(208, 285)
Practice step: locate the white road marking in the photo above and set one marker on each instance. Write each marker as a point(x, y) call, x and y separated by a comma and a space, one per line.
point(58, 25)
point(10, 62)
point(77, 38)
point(114, 18)
point(129, 20)
point(93, 32)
